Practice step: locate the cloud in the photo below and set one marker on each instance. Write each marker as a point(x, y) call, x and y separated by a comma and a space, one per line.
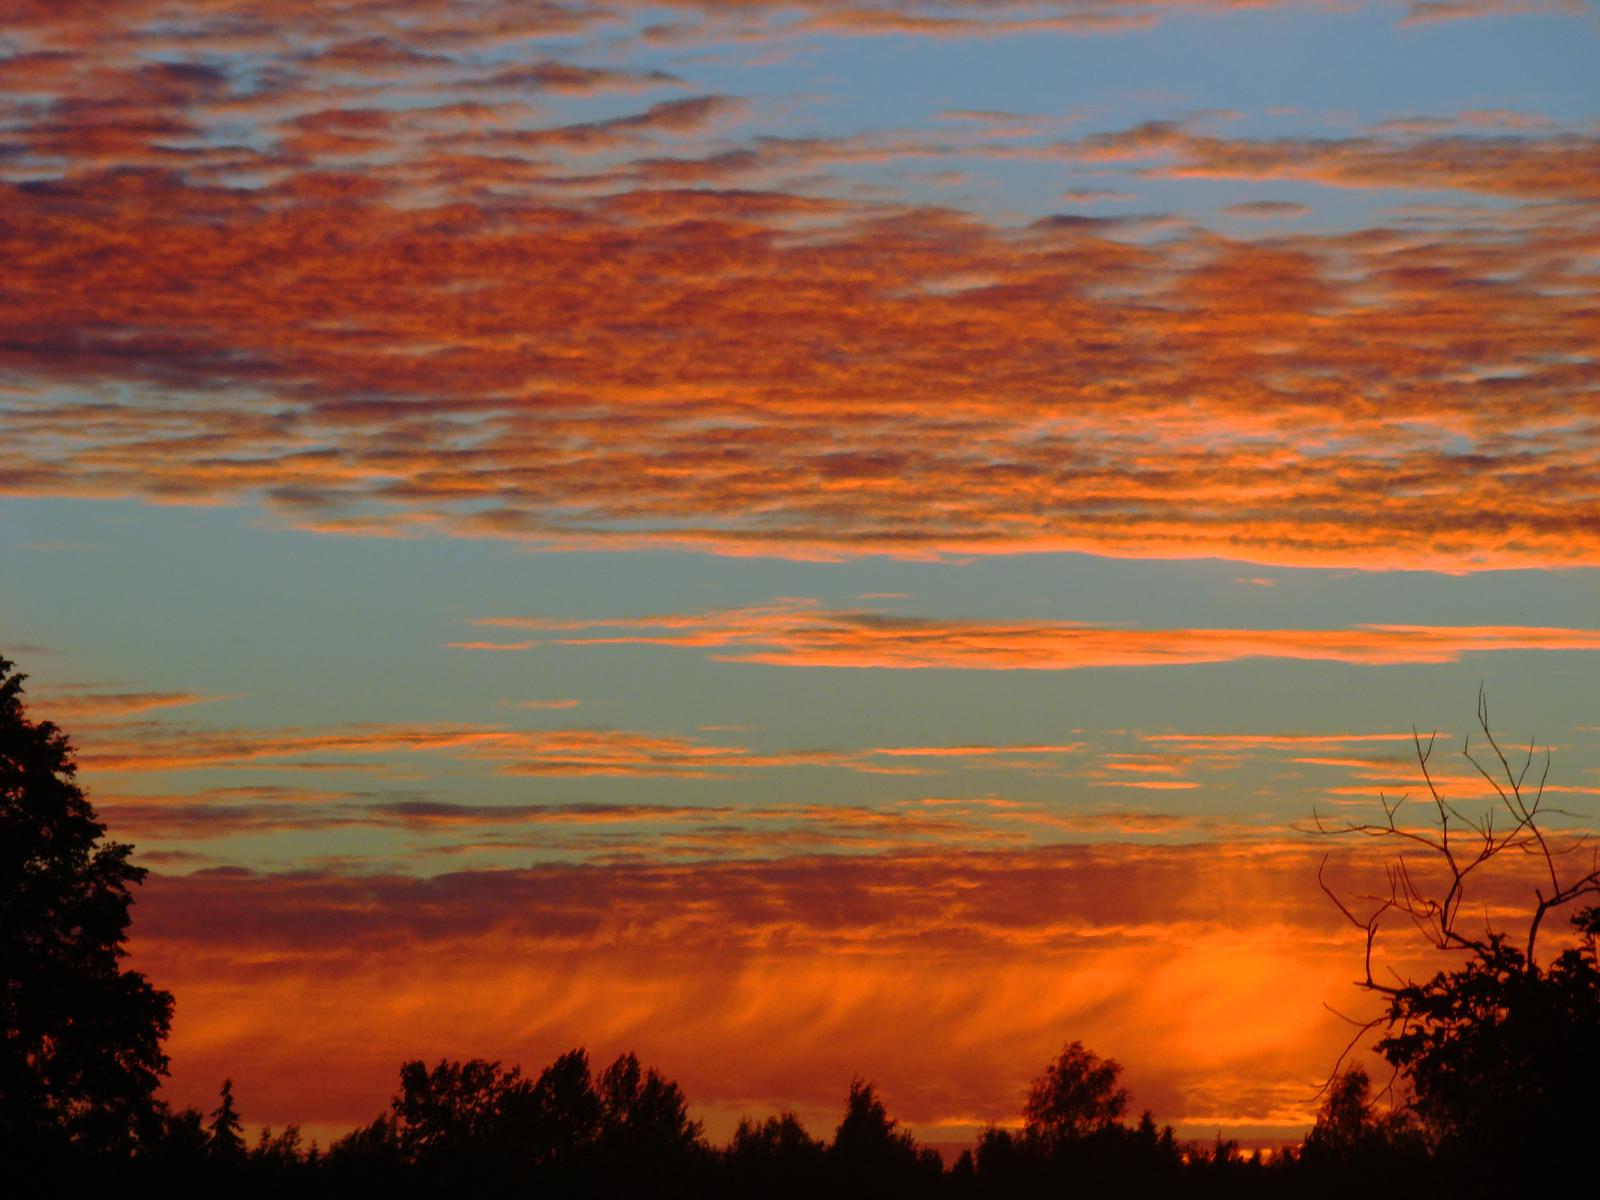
point(950, 978)
point(150, 746)
point(794, 635)
point(391, 299)
point(86, 703)
point(556, 76)
point(1422, 12)
point(1096, 195)
point(1252, 741)
point(1556, 166)
point(1268, 210)
point(1227, 371)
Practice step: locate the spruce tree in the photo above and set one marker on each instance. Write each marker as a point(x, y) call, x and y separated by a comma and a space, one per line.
point(227, 1131)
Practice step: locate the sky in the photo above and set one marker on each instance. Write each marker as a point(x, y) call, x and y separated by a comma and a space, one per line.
point(800, 540)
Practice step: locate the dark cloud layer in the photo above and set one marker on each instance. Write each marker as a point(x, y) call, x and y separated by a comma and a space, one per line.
point(939, 899)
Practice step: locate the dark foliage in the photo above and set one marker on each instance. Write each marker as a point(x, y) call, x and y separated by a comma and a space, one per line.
point(775, 1158)
point(476, 1130)
point(1350, 1129)
point(1077, 1095)
point(1503, 1056)
point(475, 1127)
point(1102, 1158)
point(226, 1131)
point(80, 1047)
point(1500, 1055)
point(871, 1156)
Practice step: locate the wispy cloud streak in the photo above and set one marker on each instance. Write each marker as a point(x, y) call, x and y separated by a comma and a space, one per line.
point(805, 636)
point(147, 746)
point(765, 985)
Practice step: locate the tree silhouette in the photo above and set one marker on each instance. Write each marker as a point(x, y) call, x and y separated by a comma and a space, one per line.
point(478, 1126)
point(1076, 1095)
point(776, 1138)
point(871, 1155)
point(561, 1118)
point(775, 1157)
point(226, 1130)
point(1500, 1054)
point(277, 1154)
point(80, 1049)
point(455, 1108)
point(643, 1112)
point(1350, 1129)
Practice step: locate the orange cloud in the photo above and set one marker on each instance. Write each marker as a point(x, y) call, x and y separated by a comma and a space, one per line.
point(86, 703)
point(950, 978)
point(202, 824)
point(793, 635)
point(155, 746)
point(150, 747)
point(1170, 392)
point(1289, 741)
point(1554, 166)
point(1421, 12)
point(411, 300)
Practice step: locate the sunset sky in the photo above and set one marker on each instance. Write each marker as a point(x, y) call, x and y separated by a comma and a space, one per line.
point(799, 539)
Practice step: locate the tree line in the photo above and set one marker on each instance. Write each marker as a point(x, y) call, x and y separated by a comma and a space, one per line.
point(1496, 1062)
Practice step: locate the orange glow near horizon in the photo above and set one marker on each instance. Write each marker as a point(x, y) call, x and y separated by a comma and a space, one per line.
point(757, 993)
point(948, 979)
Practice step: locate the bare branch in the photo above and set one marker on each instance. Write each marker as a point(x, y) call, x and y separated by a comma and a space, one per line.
point(1461, 844)
point(1362, 1029)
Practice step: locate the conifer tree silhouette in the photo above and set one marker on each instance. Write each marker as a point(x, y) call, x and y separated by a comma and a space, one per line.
point(227, 1131)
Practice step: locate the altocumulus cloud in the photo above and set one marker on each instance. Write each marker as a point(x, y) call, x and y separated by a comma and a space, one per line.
point(326, 312)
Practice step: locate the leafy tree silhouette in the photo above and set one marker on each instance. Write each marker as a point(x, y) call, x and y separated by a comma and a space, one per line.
point(453, 1109)
point(777, 1138)
point(775, 1157)
point(647, 1142)
point(476, 1126)
point(80, 1048)
point(226, 1130)
point(366, 1159)
point(1072, 1141)
point(872, 1156)
point(1077, 1095)
point(278, 1151)
point(1350, 1129)
point(1500, 1054)
point(565, 1111)
point(643, 1113)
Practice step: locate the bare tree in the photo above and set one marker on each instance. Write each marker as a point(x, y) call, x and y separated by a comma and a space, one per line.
point(1442, 1031)
point(1462, 844)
